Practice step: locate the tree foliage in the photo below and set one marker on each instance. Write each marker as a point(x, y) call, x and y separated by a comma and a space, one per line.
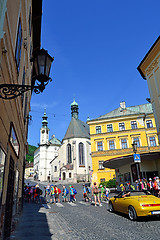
point(109, 184)
point(30, 155)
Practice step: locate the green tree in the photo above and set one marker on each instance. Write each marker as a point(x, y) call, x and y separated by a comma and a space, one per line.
point(30, 155)
point(109, 184)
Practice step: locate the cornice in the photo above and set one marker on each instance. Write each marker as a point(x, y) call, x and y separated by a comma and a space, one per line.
point(127, 151)
point(132, 131)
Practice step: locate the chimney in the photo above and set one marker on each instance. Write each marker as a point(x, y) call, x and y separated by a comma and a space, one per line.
point(123, 105)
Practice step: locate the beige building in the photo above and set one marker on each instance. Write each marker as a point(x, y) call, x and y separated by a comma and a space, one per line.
point(20, 29)
point(149, 69)
point(29, 170)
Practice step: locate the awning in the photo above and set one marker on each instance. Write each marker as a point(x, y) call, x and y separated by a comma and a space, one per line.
point(121, 161)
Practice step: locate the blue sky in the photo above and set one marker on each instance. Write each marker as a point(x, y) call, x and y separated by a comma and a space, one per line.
point(97, 46)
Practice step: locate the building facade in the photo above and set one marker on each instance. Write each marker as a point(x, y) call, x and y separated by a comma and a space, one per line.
point(149, 69)
point(113, 134)
point(73, 163)
point(19, 39)
point(45, 153)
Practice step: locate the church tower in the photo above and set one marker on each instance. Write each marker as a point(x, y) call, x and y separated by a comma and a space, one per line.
point(74, 110)
point(44, 131)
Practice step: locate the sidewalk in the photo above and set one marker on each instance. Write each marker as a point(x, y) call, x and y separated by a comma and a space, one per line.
point(37, 221)
point(32, 224)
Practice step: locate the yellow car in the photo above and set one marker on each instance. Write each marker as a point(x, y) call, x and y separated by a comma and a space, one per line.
point(135, 204)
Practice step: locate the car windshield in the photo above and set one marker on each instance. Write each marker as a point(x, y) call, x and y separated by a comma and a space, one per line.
point(135, 193)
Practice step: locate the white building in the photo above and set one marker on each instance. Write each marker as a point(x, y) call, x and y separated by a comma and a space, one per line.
point(73, 162)
point(45, 153)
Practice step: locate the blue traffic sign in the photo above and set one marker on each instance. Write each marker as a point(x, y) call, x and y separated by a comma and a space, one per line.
point(137, 157)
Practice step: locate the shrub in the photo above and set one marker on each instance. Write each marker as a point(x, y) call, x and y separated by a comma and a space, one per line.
point(109, 184)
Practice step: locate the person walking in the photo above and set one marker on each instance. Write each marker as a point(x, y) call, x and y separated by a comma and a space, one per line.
point(84, 192)
point(71, 193)
point(52, 194)
point(95, 193)
point(65, 193)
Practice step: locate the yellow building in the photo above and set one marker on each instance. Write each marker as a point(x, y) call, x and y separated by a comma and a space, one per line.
point(29, 170)
point(149, 69)
point(112, 136)
point(20, 31)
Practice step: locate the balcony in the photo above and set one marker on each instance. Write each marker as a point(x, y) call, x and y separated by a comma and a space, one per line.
point(126, 151)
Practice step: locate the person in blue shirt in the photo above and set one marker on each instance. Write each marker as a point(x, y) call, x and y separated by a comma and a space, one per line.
point(84, 192)
point(71, 193)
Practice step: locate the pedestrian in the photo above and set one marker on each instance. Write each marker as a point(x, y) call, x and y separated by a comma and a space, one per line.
point(57, 191)
point(74, 193)
point(84, 192)
point(65, 193)
point(158, 186)
point(52, 194)
point(137, 185)
point(95, 193)
point(102, 192)
point(155, 187)
point(48, 189)
point(150, 185)
point(106, 193)
point(71, 193)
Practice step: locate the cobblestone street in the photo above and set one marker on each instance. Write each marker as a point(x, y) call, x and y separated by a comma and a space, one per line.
point(82, 220)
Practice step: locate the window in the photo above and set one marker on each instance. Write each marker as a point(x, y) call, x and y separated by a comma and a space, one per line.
point(111, 145)
point(109, 128)
point(136, 140)
point(149, 123)
point(81, 154)
point(55, 168)
point(70, 175)
point(102, 179)
point(121, 126)
point(99, 146)
point(23, 83)
point(69, 157)
point(152, 141)
point(30, 21)
point(18, 46)
point(98, 129)
point(2, 162)
point(133, 124)
point(101, 165)
point(124, 143)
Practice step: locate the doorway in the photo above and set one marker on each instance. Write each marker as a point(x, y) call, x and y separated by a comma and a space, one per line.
point(64, 176)
point(9, 199)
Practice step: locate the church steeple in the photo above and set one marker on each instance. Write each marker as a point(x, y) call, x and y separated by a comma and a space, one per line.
point(74, 110)
point(44, 134)
point(45, 122)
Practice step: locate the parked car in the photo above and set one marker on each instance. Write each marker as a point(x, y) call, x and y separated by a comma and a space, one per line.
point(135, 204)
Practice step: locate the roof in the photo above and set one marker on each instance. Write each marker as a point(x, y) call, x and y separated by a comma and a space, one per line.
point(29, 165)
point(146, 56)
point(124, 160)
point(55, 141)
point(134, 110)
point(77, 129)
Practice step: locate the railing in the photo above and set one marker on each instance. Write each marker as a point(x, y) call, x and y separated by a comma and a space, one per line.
point(126, 151)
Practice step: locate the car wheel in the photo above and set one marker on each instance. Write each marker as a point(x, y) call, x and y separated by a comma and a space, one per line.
point(111, 209)
point(132, 213)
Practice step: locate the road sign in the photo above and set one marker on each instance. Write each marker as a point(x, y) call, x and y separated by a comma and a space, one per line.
point(137, 157)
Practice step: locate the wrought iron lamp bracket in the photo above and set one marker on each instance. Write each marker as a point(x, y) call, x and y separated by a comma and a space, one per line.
point(11, 91)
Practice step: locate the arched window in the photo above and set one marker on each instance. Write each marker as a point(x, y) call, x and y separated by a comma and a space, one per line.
point(81, 154)
point(69, 157)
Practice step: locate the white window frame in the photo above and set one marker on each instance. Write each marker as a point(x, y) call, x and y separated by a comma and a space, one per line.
point(102, 146)
point(119, 126)
point(121, 142)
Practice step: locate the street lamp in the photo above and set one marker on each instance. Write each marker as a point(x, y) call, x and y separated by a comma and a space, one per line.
point(42, 64)
point(134, 146)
